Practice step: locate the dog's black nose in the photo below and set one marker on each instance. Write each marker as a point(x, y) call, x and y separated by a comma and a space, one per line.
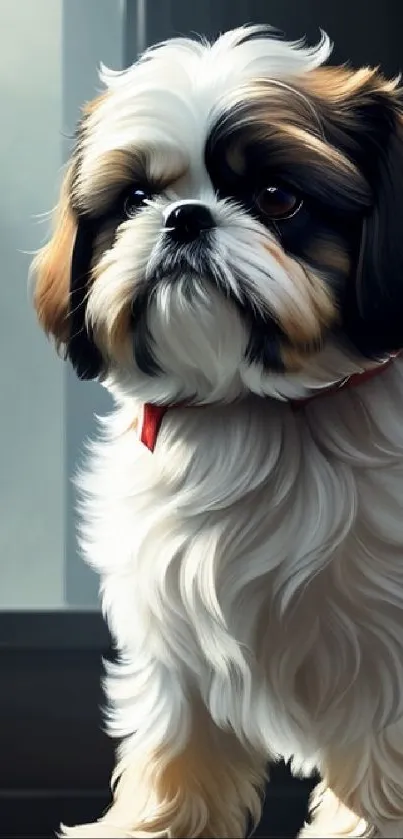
point(187, 221)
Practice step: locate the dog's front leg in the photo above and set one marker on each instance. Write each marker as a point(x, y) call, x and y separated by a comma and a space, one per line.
point(185, 778)
point(362, 792)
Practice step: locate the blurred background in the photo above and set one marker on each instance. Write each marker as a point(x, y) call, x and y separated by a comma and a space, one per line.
point(55, 758)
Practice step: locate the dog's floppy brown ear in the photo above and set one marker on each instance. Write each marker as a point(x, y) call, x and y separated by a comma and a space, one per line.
point(62, 274)
point(374, 304)
point(51, 271)
point(362, 115)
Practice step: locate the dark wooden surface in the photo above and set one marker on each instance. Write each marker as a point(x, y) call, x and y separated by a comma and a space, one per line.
point(55, 760)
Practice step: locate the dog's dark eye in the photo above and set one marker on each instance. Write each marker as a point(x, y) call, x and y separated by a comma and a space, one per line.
point(134, 198)
point(277, 202)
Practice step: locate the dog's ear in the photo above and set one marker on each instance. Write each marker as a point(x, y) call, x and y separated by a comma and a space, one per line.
point(363, 116)
point(374, 306)
point(51, 270)
point(62, 275)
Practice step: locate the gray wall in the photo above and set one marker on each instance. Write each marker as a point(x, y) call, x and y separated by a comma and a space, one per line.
point(49, 54)
point(32, 485)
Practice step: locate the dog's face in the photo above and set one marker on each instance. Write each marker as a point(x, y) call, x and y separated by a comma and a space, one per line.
point(229, 212)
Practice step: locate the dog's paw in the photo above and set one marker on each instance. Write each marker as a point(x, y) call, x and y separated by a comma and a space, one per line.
point(331, 818)
point(103, 830)
point(357, 830)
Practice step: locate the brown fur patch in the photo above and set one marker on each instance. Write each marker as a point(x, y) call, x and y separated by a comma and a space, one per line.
point(308, 312)
point(112, 332)
point(114, 339)
point(330, 255)
point(52, 265)
point(51, 271)
point(96, 188)
point(114, 172)
point(294, 358)
point(289, 123)
point(312, 147)
point(235, 158)
point(90, 107)
point(338, 85)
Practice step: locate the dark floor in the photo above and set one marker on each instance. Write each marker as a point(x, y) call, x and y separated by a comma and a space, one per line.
point(37, 813)
point(55, 760)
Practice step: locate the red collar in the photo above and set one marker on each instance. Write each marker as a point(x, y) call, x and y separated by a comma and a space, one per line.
point(154, 414)
point(151, 423)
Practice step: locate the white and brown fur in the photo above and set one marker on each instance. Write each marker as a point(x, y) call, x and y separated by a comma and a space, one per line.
point(252, 566)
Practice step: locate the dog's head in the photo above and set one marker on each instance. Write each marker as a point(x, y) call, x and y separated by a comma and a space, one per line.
point(229, 211)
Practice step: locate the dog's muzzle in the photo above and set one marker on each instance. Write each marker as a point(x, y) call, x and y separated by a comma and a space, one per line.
point(188, 221)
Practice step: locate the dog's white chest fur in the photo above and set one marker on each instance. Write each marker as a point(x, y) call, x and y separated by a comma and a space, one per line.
point(258, 556)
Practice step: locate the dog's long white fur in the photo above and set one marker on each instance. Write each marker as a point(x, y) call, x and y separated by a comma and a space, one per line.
point(247, 517)
point(253, 564)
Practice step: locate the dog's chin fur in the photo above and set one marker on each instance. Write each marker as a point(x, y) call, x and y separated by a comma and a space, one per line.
point(251, 566)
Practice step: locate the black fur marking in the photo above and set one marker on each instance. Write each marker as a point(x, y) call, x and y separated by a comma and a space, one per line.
point(265, 343)
point(373, 307)
point(368, 129)
point(82, 351)
point(319, 220)
point(362, 129)
point(142, 338)
point(267, 161)
point(260, 32)
point(177, 259)
point(193, 265)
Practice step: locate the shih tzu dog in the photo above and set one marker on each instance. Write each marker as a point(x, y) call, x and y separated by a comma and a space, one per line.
point(227, 260)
